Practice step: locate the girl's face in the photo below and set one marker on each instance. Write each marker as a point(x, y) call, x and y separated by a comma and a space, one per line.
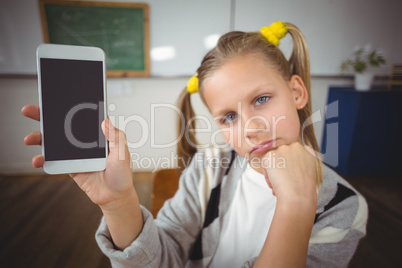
point(254, 107)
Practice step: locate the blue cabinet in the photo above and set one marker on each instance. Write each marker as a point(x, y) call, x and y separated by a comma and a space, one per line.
point(369, 138)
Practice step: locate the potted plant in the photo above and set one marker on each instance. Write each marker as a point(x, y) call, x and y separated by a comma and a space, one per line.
point(360, 61)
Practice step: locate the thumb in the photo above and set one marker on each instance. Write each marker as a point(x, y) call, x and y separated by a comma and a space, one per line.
point(116, 137)
point(109, 130)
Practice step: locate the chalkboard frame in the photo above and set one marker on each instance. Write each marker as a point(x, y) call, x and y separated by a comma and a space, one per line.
point(114, 73)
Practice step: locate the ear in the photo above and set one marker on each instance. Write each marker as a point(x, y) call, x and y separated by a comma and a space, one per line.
point(299, 91)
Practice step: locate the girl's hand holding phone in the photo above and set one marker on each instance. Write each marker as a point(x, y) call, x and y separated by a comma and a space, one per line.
point(111, 189)
point(103, 187)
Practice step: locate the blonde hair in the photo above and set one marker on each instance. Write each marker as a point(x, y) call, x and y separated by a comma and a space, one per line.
point(234, 44)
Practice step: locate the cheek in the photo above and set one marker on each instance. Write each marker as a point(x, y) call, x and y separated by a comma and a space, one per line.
point(230, 135)
point(285, 121)
point(227, 134)
point(291, 126)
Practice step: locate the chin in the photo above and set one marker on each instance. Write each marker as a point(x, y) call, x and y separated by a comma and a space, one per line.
point(256, 167)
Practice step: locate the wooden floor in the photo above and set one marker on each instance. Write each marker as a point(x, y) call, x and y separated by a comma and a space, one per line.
point(47, 221)
point(382, 247)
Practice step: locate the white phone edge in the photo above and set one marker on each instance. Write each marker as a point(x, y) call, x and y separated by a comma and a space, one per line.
point(54, 51)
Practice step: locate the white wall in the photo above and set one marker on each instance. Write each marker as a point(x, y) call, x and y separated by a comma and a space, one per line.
point(179, 24)
point(333, 28)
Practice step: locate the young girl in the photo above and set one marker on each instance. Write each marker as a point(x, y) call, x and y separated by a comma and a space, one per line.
point(224, 213)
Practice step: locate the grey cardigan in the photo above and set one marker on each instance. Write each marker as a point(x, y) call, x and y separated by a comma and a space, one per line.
point(187, 228)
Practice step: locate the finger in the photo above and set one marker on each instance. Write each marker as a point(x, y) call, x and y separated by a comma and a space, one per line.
point(105, 129)
point(72, 175)
point(269, 183)
point(266, 178)
point(31, 111)
point(35, 138)
point(131, 163)
point(265, 173)
point(112, 134)
point(117, 140)
point(38, 161)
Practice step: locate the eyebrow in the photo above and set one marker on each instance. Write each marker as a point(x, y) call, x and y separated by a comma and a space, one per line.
point(223, 112)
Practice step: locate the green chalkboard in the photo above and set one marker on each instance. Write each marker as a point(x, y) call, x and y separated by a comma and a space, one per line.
point(120, 29)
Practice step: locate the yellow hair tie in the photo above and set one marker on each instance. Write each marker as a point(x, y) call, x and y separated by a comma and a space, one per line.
point(192, 85)
point(274, 32)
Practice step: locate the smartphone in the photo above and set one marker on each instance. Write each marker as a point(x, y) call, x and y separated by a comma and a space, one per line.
point(72, 102)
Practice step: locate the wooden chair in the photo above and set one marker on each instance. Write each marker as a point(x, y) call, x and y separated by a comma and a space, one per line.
point(165, 185)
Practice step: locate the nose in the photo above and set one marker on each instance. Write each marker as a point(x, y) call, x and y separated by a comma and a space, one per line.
point(255, 126)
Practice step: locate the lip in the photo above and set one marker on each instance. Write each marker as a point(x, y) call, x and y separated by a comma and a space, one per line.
point(263, 147)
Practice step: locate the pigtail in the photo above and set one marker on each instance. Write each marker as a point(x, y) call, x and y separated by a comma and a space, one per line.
point(187, 145)
point(299, 60)
point(299, 63)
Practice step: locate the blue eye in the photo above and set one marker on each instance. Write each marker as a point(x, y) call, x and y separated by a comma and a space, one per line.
point(261, 100)
point(229, 118)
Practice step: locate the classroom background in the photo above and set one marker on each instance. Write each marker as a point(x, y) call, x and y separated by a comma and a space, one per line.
point(49, 222)
point(183, 31)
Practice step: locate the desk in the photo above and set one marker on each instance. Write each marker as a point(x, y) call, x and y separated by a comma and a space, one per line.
point(369, 132)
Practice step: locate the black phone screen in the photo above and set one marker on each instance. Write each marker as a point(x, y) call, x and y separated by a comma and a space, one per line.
point(72, 109)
